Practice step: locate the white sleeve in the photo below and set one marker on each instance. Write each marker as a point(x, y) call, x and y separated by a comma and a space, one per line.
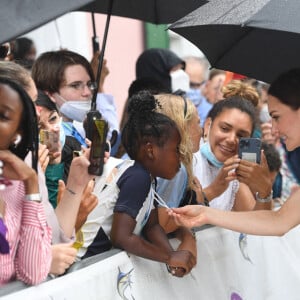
point(107, 107)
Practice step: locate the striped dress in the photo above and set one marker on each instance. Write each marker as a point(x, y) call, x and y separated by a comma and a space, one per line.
point(29, 238)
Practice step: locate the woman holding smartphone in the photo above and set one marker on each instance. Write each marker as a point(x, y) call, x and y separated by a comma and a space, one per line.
point(229, 183)
point(284, 109)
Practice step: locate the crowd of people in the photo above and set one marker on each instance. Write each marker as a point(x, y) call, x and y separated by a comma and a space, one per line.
point(174, 165)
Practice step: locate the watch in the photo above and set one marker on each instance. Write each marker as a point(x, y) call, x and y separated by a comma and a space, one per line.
point(33, 197)
point(264, 200)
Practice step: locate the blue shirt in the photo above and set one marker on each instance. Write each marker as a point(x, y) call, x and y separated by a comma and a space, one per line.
point(70, 130)
point(201, 103)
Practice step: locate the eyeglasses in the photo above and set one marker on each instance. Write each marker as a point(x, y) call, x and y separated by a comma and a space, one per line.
point(196, 85)
point(79, 85)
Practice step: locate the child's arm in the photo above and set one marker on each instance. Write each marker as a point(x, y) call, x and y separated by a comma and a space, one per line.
point(187, 239)
point(157, 248)
point(122, 236)
point(183, 234)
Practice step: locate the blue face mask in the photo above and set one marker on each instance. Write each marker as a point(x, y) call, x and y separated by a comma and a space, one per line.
point(208, 154)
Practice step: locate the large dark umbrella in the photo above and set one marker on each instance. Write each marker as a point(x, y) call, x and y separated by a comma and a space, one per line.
point(153, 11)
point(257, 38)
point(21, 16)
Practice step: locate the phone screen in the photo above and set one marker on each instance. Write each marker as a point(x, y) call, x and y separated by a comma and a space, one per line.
point(249, 149)
point(250, 156)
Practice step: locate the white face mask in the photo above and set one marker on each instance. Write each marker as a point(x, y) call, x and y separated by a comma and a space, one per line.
point(180, 81)
point(75, 110)
point(264, 114)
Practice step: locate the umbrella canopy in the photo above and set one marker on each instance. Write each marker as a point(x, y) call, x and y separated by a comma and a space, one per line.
point(153, 11)
point(21, 16)
point(257, 38)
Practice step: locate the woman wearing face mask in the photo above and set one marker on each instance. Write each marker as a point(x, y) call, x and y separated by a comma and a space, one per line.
point(68, 79)
point(228, 182)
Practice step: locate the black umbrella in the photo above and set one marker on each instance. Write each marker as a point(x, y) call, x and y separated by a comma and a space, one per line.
point(153, 11)
point(21, 16)
point(257, 38)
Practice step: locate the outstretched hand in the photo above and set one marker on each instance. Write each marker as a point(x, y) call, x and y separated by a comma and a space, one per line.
point(189, 215)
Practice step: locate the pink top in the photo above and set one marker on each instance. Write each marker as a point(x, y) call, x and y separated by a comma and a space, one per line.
point(29, 238)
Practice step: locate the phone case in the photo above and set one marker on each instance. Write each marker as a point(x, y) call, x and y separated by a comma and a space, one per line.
point(50, 139)
point(249, 149)
point(99, 133)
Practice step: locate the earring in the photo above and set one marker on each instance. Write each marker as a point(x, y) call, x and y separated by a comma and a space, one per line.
point(17, 140)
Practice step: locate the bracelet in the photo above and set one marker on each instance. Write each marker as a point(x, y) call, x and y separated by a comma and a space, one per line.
point(206, 201)
point(264, 200)
point(71, 191)
point(33, 197)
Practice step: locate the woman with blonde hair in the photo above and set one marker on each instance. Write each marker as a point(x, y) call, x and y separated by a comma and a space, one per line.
point(184, 188)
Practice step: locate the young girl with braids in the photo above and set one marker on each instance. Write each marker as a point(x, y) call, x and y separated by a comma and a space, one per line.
point(152, 141)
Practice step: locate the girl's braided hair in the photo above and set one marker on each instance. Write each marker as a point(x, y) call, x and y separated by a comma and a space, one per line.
point(145, 124)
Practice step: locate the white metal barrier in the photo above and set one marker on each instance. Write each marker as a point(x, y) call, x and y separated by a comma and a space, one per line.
point(230, 266)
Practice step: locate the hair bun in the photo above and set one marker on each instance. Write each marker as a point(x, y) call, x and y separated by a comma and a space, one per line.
point(142, 103)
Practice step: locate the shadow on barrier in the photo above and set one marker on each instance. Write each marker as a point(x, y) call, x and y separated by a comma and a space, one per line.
point(16, 286)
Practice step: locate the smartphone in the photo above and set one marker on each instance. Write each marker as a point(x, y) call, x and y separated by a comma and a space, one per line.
point(50, 139)
point(250, 149)
point(99, 129)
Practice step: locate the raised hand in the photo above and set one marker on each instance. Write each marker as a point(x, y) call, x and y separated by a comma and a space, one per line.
point(225, 175)
point(104, 71)
point(267, 135)
point(255, 176)
point(197, 188)
point(78, 175)
point(88, 203)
